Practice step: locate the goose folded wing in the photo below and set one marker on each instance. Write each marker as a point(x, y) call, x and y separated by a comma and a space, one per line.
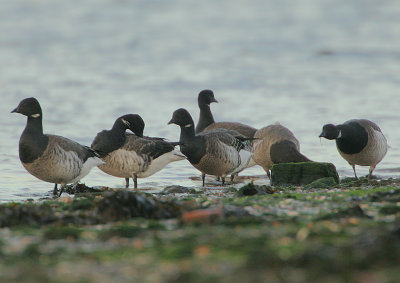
point(67, 145)
point(224, 147)
point(152, 148)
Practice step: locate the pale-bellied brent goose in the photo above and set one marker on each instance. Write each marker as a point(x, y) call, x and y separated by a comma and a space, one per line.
point(52, 158)
point(133, 155)
point(359, 142)
point(275, 144)
point(218, 153)
point(206, 120)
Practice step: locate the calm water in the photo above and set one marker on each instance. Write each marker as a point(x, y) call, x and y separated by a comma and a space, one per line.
point(303, 63)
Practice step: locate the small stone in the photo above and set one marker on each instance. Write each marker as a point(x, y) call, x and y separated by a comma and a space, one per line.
point(205, 216)
point(302, 173)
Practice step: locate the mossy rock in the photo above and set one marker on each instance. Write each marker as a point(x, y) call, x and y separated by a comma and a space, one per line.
point(302, 173)
point(322, 183)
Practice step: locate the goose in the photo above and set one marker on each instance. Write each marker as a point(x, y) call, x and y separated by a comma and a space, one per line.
point(51, 158)
point(359, 142)
point(275, 144)
point(219, 152)
point(206, 120)
point(133, 155)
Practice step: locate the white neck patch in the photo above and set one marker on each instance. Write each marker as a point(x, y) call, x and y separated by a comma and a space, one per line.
point(35, 115)
point(188, 125)
point(126, 122)
point(339, 135)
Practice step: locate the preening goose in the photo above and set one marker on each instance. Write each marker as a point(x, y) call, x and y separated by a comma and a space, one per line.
point(359, 142)
point(133, 156)
point(219, 153)
point(276, 144)
point(51, 158)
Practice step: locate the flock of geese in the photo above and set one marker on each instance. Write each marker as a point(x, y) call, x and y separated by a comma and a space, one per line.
point(214, 148)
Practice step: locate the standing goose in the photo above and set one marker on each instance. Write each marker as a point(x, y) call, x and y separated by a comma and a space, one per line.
point(218, 153)
point(359, 142)
point(133, 156)
point(206, 119)
point(51, 158)
point(276, 144)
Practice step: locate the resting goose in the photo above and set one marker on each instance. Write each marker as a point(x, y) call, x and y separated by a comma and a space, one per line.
point(206, 119)
point(218, 153)
point(52, 158)
point(276, 144)
point(133, 156)
point(359, 142)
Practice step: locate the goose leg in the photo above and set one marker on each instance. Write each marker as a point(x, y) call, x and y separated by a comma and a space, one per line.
point(217, 179)
point(371, 169)
point(223, 180)
point(55, 189)
point(126, 183)
point(354, 169)
point(232, 177)
point(203, 178)
point(61, 190)
point(135, 181)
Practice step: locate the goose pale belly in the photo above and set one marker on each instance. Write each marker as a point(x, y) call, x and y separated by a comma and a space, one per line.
point(124, 163)
point(56, 166)
point(372, 154)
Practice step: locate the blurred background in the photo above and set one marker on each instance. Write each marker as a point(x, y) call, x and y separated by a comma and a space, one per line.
point(302, 63)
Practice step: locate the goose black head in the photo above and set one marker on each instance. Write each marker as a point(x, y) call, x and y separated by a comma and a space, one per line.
point(132, 122)
point(182, 118)
point(29, 107)
point(330, 132)
point(206, 97)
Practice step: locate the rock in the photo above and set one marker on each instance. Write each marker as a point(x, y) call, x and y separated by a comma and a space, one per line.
point(250, 190)
point(302, 173)
point(322, 183)
point(122, 205)
point(177, 190)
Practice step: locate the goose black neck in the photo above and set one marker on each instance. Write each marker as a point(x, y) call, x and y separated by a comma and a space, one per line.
point(187, 133)
point(33, 142)
point(34, 126)
point(206, 117)
point(118, 128)
point(353, 138)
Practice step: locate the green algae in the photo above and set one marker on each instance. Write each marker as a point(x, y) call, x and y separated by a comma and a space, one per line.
point(287, 234)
